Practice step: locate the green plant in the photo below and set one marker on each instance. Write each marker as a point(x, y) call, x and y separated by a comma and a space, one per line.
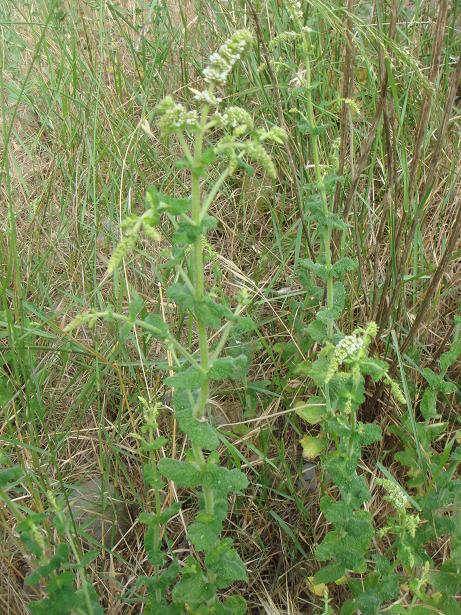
point(57, 566)
point(432, 462)
point(210, 138)
point(340, 372)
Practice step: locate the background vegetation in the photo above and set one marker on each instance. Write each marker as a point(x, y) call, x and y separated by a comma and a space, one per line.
point(78, 80)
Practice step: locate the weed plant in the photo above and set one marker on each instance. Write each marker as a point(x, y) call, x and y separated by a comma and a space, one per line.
point(298, 274)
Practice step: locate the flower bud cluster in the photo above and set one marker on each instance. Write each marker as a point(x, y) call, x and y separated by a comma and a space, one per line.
point(223, 61)
point(255, 151)
point(275, 134)
point(294, 8)
point(174, 116)
point(396, 495)
point(207, 97)
point(285, 37)
point(396, 391)
point(348, 346)
point(237, 119)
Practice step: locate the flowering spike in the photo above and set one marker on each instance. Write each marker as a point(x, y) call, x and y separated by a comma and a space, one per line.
point(222, 62)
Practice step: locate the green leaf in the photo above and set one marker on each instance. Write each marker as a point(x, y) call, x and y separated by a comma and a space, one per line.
point(330, 315)
point(54, 563)
point(157, 326)
point(318, 269)
point(225, 564)
point(153, 520)
point(232, 368)
point(190, 379)
point(188, 232)
point(317, 331)
point(10, 476)
point(224, 481)
point(135, 306)
point(182, 473)
point(428, 405)
point(235, 605)
point(434, 380)
point(447, 359)
point(151, 478)
point(312, 411)
point(335, 512)
point(204, 531)
point(448, 579)
point(63, 598)
point(329, 574)
point(369, 433)
point(319, 368)
point(210, 312)
point(160, 202)
point(200, 433)
point(182, 296)
point(376, 368)
point(343, 266)
point(193, 588)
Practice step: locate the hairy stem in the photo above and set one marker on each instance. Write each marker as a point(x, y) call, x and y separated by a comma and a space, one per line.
point(199, 284)
point(319, 176)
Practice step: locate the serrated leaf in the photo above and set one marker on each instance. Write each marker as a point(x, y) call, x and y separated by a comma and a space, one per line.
point(369, 433)
point(329, 574)
point(235, 605)
point(193, 588)
point(188, 232)
point(153, 520)
point(160, 202)
point(200, 433)
point(182, 296)
point(343, 266)
point(428, 405)
point(224, 481)
point(335, 512)
point(330, 315)
point(447, 359)
point(231, 368)
point(204, 531)
point(191, 379)
point(182, 473)
point(313, 446)
point(318, 589)
point(317, 331)
point(318, 269)
point(447, 580)
point(151, 478)
point(225, 564)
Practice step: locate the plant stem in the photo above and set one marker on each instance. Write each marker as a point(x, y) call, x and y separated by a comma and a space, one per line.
point(326, 230)
point(199, 283)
